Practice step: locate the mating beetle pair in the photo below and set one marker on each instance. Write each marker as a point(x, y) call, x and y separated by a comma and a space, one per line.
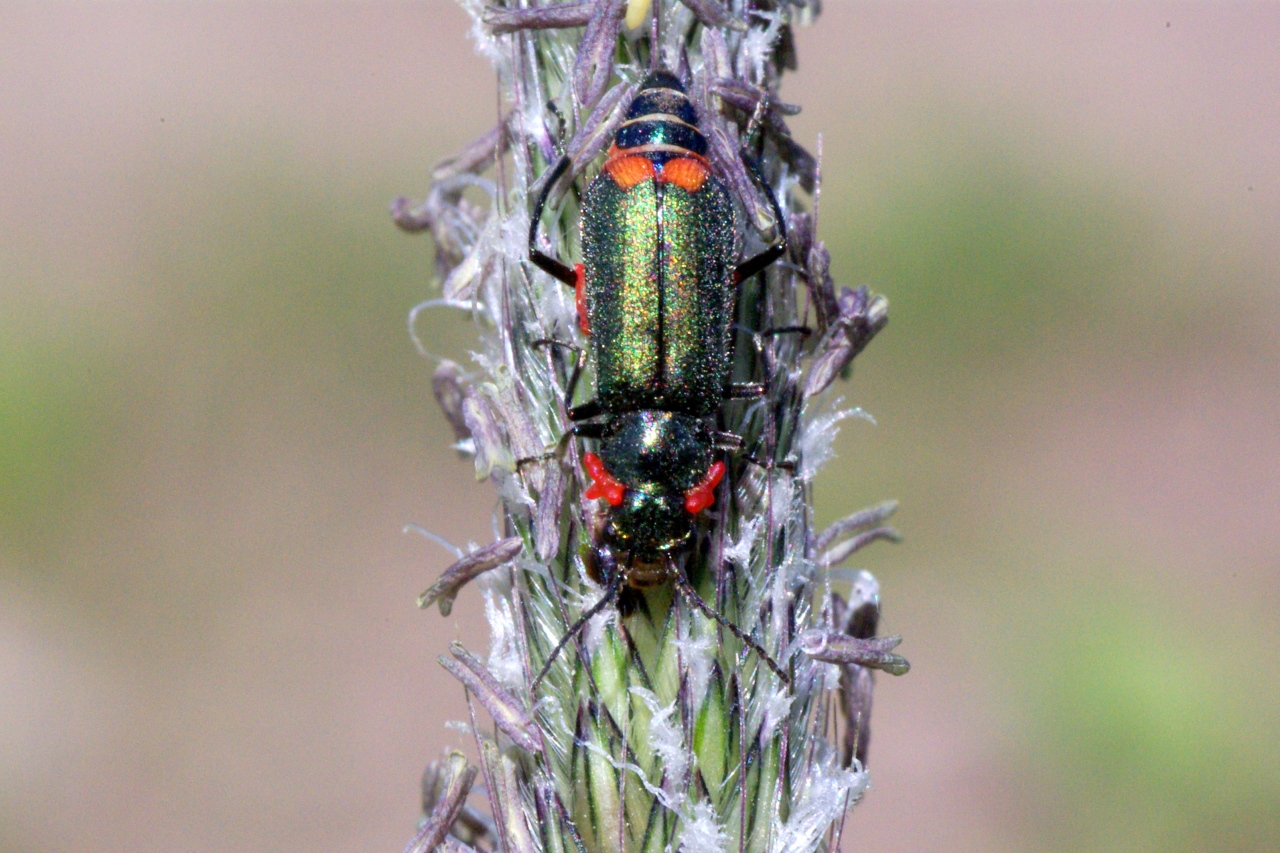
point(656, 294)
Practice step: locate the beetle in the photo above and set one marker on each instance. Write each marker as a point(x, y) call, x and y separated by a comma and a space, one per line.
point(655, 295)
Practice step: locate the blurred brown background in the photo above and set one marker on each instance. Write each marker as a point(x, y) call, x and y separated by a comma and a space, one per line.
point(213, 425)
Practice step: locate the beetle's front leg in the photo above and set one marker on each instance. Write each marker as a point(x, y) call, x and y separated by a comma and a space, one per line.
point(545, 262)
point(734, 443)
point(555, 451)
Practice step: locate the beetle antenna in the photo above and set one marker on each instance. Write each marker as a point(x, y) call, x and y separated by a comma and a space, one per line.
point(610, 593)
point(696, 600)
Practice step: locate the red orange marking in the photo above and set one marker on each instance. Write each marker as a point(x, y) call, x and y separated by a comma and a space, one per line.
point(629, 170)
point(580, 298)
point(605, 486)
point(703, 495)
point(685, 172)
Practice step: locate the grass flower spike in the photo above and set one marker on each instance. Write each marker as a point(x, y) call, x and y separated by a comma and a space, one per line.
point(677, 662)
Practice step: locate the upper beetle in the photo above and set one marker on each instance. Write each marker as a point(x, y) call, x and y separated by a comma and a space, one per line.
point(656, 294)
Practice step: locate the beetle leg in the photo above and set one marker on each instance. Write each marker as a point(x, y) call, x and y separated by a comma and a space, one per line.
point(785, 464)
point(592, 430)
point(572, 387)
point(730, 441)
point(585, 412)
point(525, 461)
point(560, 123)
point(751, 266)
point(743, 390)
point(802, 331)
point(552, 342)
point(555, 451)
point(545, 262)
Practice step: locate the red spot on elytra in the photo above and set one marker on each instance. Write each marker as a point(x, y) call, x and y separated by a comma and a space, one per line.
point(580, 298)
point(703, 495)
point(604, 485)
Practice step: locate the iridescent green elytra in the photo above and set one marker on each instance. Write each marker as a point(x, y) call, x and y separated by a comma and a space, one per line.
point(659, 264)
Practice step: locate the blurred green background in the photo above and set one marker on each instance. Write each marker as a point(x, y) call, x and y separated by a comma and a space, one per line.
point(213, 425)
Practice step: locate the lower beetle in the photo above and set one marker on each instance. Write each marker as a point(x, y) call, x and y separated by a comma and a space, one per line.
point(655, 294)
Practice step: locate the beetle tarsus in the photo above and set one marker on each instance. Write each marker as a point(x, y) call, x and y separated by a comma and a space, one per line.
point(560, 123)
point(787, 465)
point(554, 343)
point(578, 365)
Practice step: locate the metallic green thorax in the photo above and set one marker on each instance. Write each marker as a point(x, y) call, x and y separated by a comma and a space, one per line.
point(659, 265)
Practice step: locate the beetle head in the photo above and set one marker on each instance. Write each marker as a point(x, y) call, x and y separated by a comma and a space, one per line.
point(649, 524)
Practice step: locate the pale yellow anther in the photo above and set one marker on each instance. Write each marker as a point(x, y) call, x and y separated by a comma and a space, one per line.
point(636, 11)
